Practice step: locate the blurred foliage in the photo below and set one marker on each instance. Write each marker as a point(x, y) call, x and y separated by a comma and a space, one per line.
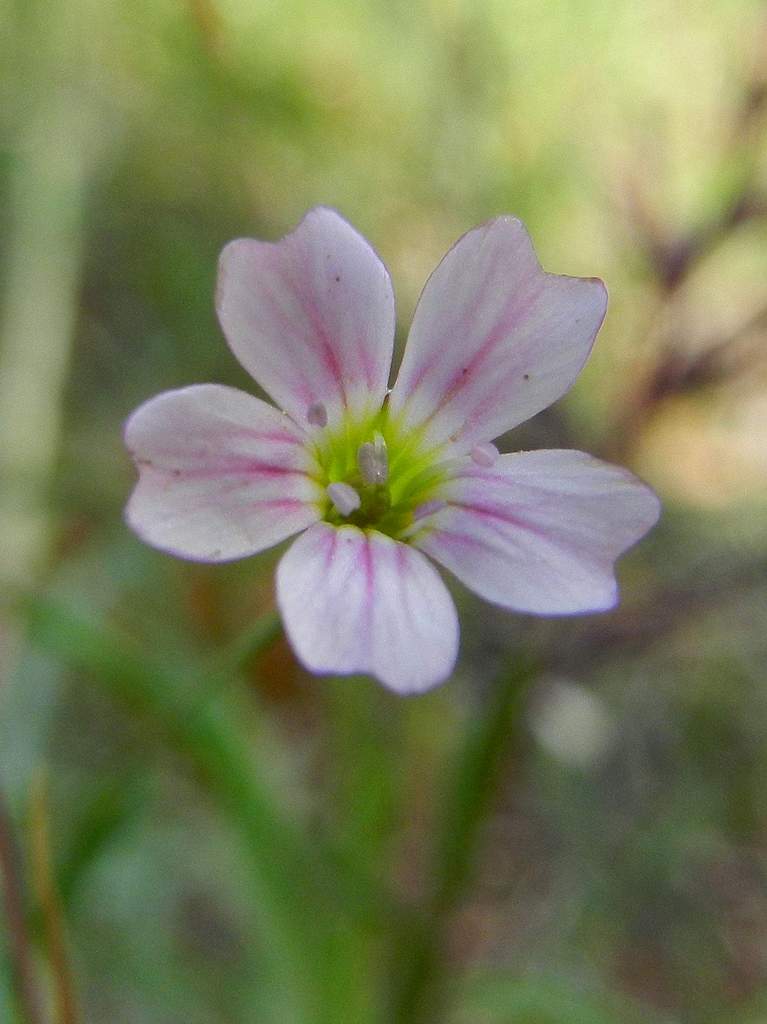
point(571, 831)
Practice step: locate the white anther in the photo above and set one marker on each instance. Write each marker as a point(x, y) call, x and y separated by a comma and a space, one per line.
point(428, 509)
point(345, 499)
point(372, 460)
point(484, 455)
point(317, 415)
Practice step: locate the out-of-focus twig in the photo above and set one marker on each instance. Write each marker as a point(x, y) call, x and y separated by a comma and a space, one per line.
point(631, 631)
point(732, 356)
point(719, 361)
point(672, 259)
point(677, 371)
point(207, 19)
point(753, 105)
point(50, 904)
point(22, 968)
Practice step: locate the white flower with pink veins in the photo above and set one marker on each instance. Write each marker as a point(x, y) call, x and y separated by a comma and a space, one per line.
point(375, 480)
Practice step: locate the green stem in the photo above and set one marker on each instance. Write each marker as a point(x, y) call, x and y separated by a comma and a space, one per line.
point(65, 1002)
point(419, 989)
point(20, 955)
point(236, 655)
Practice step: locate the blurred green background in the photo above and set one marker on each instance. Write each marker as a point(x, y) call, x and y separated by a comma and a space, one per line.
point(570, 831)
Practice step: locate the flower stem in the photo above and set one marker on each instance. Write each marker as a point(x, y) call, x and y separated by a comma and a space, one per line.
point(19, 948)
point(419, 989)
point(65, 999)
point(244, 648)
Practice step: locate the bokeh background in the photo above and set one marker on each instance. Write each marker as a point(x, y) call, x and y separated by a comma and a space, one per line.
point(571, 830)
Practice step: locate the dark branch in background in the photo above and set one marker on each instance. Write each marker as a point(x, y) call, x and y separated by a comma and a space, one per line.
point(676, 370)
point(722, 360)
point(754, 102)
point(19, 948)
point(207, 21)
point(631, 632)
point(673, 260)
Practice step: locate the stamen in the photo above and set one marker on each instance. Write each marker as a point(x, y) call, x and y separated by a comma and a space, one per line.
point(317, 415)
point(373, 461)
point(484, 455)
point(344, 498)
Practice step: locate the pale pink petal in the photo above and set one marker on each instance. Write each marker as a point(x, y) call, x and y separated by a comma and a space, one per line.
point(494, 340)
point(221, 474)
point(355, 601)
point(311, 317)
point(539, 531)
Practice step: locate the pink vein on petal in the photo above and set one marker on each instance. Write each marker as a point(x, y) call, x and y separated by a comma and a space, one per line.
point(312, 312)
point(367, 568)
point(465, 324)
point(465, 375)
point(503, 515)
point(246, 470)
point(331, 548)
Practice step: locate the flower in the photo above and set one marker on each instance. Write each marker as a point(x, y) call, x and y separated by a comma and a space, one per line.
point(374, 479)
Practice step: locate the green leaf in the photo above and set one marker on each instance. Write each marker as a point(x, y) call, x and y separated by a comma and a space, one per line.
point(305, 924)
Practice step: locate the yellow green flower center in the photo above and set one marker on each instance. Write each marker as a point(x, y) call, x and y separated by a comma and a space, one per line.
point(386, 476)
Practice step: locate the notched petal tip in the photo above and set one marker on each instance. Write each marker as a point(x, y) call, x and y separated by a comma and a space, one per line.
point(601, 297)
point(222, 475)
point(540, 531)
point(651, 512)
point(136, 520)
point(495, 339)
point(310, 316)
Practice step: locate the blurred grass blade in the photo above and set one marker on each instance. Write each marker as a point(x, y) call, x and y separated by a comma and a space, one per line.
point(297, 908)
point(498, 998)
point(230, 661)
point(363, 721)
point(23, 983)
point(65, 999)
point(419, 988)
point(103, 817)
point(56, 148)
